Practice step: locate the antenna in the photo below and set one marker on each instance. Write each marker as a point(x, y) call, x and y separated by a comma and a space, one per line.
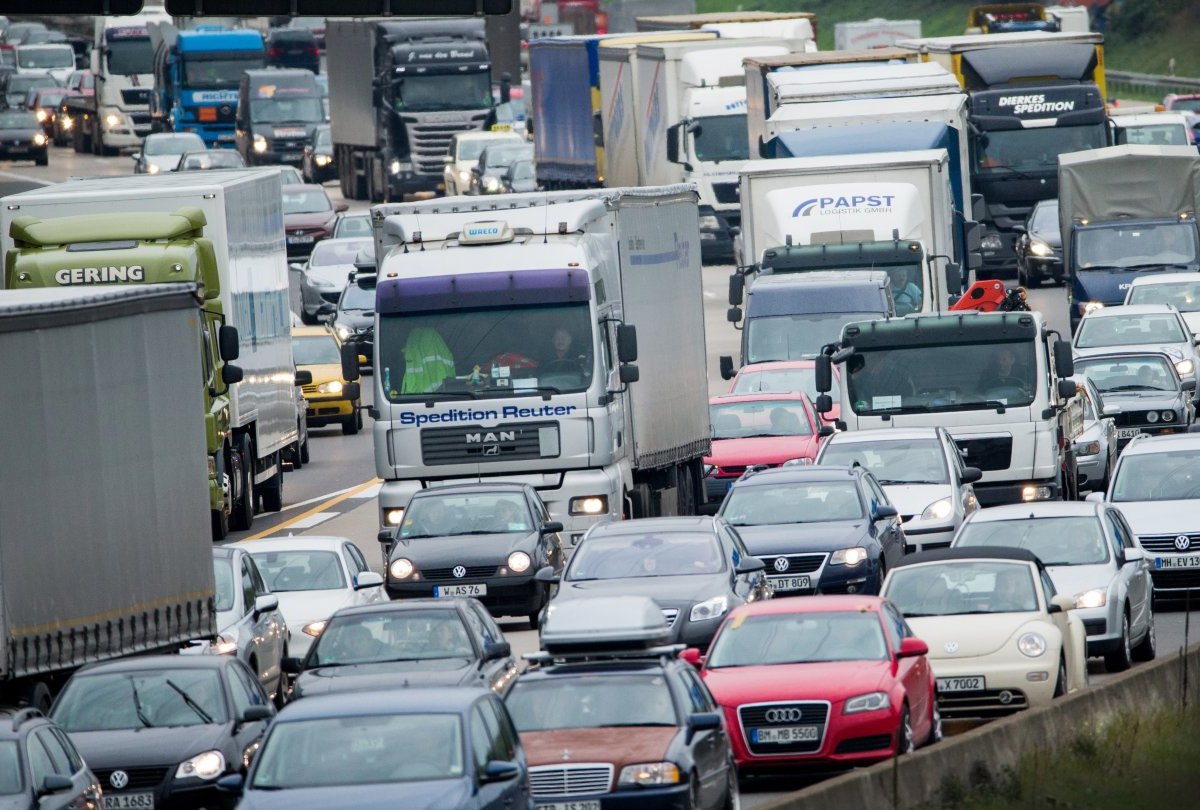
point(546, 220)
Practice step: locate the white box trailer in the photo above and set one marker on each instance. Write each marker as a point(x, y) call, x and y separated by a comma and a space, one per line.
point(873, 33)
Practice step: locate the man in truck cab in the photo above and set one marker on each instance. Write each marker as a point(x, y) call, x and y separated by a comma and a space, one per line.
point(906, 295)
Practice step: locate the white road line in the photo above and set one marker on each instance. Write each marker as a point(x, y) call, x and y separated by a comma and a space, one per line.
point(309, 521)
point(368, 493)
point(317, 499)
point(26, 178)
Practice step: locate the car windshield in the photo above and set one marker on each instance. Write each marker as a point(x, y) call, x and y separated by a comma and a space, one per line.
point(287, 111)
point(1160, 476)
point(472, 148)
point(721, 137)
point(286, 571)
point(795, 337)
point(11, 780)
point(1183, 295)
point(360, 750)
point(765, 418)
point(306, 201)
point(171, 144)
point(591, 701)
point(202, 72)
point(967, 586)
point(1044, 219)
point(315, 350)
point(443, 91)
point(336, 251)
point(950, 377)
point(352, 225)
point(501, 157)
point(215, 159)
point(130, 56)
point(405, 635)
point(1129, 330)
point(358, 298)
point(439, 516)
point(1056, 541)
point(1126, 247)
point(45, 58)
point(781, 381)
point(20, 85)
point(324, 136)
point(114, 701)
point(224, 580)
point(20, 119)
point(1036, 149)
point(634, 556)
point(1109, 374)
point(798, 638)
point(892, 461)
point(50, 97)
point(796, 502)
point(1154, 134)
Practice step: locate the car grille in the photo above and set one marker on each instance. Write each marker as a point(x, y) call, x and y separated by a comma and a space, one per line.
point(1160, 543)
point(986, 703)
point(139, 778)
point(584, 779)
point(670, 615)
point(473, 572)
point(858, 745)
point(726, 192)
point(475, 445)
point(1179, 580)
point(797, 564)
point(987, 452)
point(136, 95)
point(289, 145)
point(810, 714)
point(431, 139)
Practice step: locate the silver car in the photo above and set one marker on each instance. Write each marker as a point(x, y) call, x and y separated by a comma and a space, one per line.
point(1180, 290)
point(161, 151)
point(1091, 556)
point(324, 275)
point(1096, 445)
point(1138, 328)
point(922, 473)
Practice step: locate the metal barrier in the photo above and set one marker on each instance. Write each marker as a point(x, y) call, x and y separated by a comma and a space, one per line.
point(1125, 84)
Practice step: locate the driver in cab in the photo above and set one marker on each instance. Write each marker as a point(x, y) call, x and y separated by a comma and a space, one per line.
point(1003, 372)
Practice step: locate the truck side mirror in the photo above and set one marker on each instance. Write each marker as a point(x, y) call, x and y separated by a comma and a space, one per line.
point(733, 315)
point(953, 277)
point(627, 348)
point(1066, 389)
point(972, 233)
point(673, 142)
point(1064, 361)
point(823, 373)
point(227, 343)
point(231, 374)
point(628, 373)
point(824, 403)
point(303, 377)
point(978, 208)
point(727, 370)
point(350, 368)
point(737, 288)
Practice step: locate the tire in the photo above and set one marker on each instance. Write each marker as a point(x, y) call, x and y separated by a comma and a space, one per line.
point(733, 796)
point(294, 452)
point(693, 797)
point(1033, 280)
point(38, 696)
point(935, 724)
point(220, 525)
point(243, 509)
point(1121, 658)
point(44, 160)
point(304, 451)
point(358, 416)
point(1147, 648)
point(272, 489)
point(350, 425)
point(306, 319)
point(906, 741)
point(1060, 686)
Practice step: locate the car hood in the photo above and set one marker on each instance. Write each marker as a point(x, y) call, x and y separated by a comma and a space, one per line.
point(431, 794)
point(791, 538)
point(1052, 238)
point(761, 450)
point(471, 549)
point(432, 672)
point(335, 273)
point(316, 219)
point(302, 607)
point(1192, 319)
point(24, 134)
point(355, 318)
point(323, 372)
point(1159, 517)
point(620, 746)
point(913, 499)
point(667, 591)
point(1071, 580)
point(131, 748)
point(163, 162)
point(833, 680)
point(1176, 351)
point(975, 635)
point(1117, 401)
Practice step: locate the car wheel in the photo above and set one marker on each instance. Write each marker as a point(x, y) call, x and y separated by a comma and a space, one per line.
point(906, 741)
point(935, 724)
point(280, 696)
point(733, 796)
point(1032, 279)
point(1060, 686)
point(1121, 658)
point(693, 802)
point(350, 425)
point(1147, 648)
point(304, 450)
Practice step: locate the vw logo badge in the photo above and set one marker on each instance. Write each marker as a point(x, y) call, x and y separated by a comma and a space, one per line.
point(1183, 542)
point(119, 779)
point(951, 647)
point(782, 564)
point(1005, 697)
point(783, 715)
point(459, 571)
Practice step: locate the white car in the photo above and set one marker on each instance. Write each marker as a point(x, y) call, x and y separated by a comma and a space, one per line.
point(1138, 328)
point(161, 151)
point(1001, 638)
point(464, 152)
point(1092, 556)
point(1156, 485)
point(1096, 446)
point(314, 577)
point(1180, 290)
point(922, 473)
point(46, 60)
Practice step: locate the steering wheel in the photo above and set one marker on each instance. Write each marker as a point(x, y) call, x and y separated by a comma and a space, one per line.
point(560, 367)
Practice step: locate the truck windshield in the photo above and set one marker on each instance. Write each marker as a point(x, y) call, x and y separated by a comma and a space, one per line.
point(130, 57)
point(1026, 150)
point(448, 91)
point(484, 353)
point(924, 378)
point(721, 137)
point(202, 72)
point(287, 111)
point(794, 337)
point(1131, 247)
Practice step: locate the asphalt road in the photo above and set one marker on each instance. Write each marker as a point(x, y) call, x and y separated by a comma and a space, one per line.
point(334, 493)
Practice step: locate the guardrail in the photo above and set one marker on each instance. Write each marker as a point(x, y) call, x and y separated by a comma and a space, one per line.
point(1147, 85)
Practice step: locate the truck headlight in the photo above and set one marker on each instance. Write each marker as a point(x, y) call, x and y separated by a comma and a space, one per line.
point(849, 556)
point(315, 629)
point(991, 242)
point(1035, 493)
point(588, 505)
point(39, 139)
point(1032, 645)
point(650, 773)
point(395, 167)
point(709, 223)
point(1039, 248)
point(1092, 306)
point(871, 702)
point(208, 765)
point(343, 331)
point(112, 121)
point(322, 160)
point(393, 517)
point(1096, 597)
point(260, 144)
point(1184, 367)
point(519, 562)
point(331, 387)
point(938, 510)
point(709, 609)
point(41, 115)
point(401, 568)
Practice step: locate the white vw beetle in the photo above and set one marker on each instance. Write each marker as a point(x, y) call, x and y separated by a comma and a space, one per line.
point(1000, 638)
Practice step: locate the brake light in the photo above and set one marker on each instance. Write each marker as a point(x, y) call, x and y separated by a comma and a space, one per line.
point(275, 53)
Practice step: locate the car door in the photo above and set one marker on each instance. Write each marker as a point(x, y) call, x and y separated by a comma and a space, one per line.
point(1139, 587)
point(1074, 636)
point(487, 745)
point(964, 491)
point(550, 544)
point(710, 747)
point(64, 763)
point(498, 672)
point(891, 536)
point(265, 644)
point(356, 564)
point(913, 673)
point(246, 691)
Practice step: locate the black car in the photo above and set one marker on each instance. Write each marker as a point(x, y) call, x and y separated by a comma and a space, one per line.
point(44, 102)
point(495, 159)
point(160, 730)
point(353, 320)
point(317, 164)
point(1039, 247)
point(426, 642)
point(520, 176)
point(293, 48)
point(482, 540)
point(39, 766)
point(818, 529)
point(696, 569)
point(209, 159)
point(22, 138)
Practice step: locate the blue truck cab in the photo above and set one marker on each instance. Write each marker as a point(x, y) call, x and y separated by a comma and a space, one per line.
point(196, 78)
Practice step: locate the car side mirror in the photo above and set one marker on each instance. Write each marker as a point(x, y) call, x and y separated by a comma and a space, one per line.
point(303, 377)
point(1133, 555)
point(500, 771)
point(368, 579)
point(296, 266)
point(326, 308)
point(266, 603)
point(971, 474)
point(136, 156)
point(231, 374)
point(727, 370)
point(702, 721)
point(255, 714)
point(55, 783)
point(386, 536)
point(1061, 604)
point(341, 207)
point(551, 527)
point(749, 565)
point(1188, 385)
point(497, 650)
point(1095, 497)
point(292, 665)
point(232, 783)
point(825, 431)
point(1018, 228)
point(673, 143)
point(351, 370)
point(693, 656)
point(546, 574)
point(912, 648)
point(884, 511)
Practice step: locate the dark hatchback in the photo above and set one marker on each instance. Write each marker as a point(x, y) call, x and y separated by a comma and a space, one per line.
point(159, 731)
point(353, 319)
point(451, 642)
point(818, 529)
point(293, 48)
point(488, 541)
point(1039, 247)
point(22, 138)
point(316, 163)
point(39, 766)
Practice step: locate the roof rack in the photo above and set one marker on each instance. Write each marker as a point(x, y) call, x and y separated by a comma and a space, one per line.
point(543, 658)
point(24, 715)
point(606, 627)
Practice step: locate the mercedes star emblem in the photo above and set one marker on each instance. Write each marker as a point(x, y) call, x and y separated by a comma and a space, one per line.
point(566, 754)
point(459, 571)
point(1005, 697)
point(119, 779)
point(951, 647)
point(1183, 542)
point(782, 564)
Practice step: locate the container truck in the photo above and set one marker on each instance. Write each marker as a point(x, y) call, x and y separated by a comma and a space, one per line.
point(1124, 211)
point(873, 33)
point(243, 216)
point(505, 341)
point(680, 22)
point(398, 91)
point(1033, 96)
point(104, 547)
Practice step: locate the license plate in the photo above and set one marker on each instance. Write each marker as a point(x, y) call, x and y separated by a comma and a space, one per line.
point(590, 804)
point(785, 734)
point(17, 150)
point(1128, 433)
point(443, 591)
point(226, 137)
point(967, 683)
point(299, 240)
point(121, 801)
point(790, 583)
point(1182, 561)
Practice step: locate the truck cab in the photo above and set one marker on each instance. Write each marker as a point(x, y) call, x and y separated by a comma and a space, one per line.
point(122, 62)
point(277, 112)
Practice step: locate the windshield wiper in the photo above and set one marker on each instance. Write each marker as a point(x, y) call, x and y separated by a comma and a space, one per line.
point(515, 391)
point(191, 704)
point(434, 396)
point(999, 406)
point(137, 705)
point(1012, 169)
point(1136, 388)
point(887, 482)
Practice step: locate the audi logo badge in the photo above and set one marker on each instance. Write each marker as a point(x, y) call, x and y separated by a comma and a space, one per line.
point(951, 647)
point(782, 564)
point(459, 571)
point(119, 780)
point(1183, 542)
point(784, 715)
point(1005, 697)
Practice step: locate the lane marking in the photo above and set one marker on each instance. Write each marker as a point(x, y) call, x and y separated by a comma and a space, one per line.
point(369, 493)
point(321, 507)
point(316, 499)
point(312, 520)
point(27, 178)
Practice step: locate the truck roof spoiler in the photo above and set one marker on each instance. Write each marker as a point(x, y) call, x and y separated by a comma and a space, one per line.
point(183, 223)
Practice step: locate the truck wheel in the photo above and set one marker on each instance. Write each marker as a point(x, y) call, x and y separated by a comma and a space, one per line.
point(304, 450)
point(97, 140)
point(242, 469)
point(38, 696)
point(220, 525)
point(272, 489)
point(350, 424)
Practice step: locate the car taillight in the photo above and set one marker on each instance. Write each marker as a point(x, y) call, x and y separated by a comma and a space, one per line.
point(274, 53)
point(314, 50)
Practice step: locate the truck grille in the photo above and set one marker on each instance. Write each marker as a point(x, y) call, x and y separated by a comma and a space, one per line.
point(476, 445)
point(289, 145)
point(987, 452)
point(726, 193)
point(430, 140)
point(136, 95)
point(584, 779)
point(783, 715)
point(1165, 543)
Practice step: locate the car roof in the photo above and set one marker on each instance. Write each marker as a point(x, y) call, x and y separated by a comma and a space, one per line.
point(883, 435)
point(224, 552)
point(1161, 444)
point(970, 553)
point(1034, 511)
point(1131, 309)
point(402, 606)
point(298, 542)
point(483, 486)
point(1115, 353)
point(800, 473)
point(811, 604)
point(1163, 278)
point(695, 523)
point(755, 396)
point(426, 700)
point(143, 662)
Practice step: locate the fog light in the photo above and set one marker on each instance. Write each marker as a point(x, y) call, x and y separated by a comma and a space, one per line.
point(588, 505)
point(1035, 493)
point(1168, 416)
point(393, 517)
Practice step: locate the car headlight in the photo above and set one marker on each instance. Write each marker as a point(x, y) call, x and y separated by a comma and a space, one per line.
point(1039, 248)
point(867, 703)
point(491, 183)
point(67, 121)
point(112, 121)
point(1168, 416)
point(393, 517)
point(322, 160)
point(709, 609)
point(1152, 416)
point(519, 562)
point(224, 644)
point(1096, 597)
point(464, 177)
point(152, 169)
point(343, 331)
point(991, 242)
point(1032, 645)
point(260, 144)
point(314, 629)
point(41, 115)
point(849, 556)
point(331, 387)
point(1087, 449)
point(39, 139)
point(208, 765)
point(650, 773)
point(1184, 367)
point(401, 568)
point(709, 223)
point(938, 510)
point(588, 505)
point(1092, 306)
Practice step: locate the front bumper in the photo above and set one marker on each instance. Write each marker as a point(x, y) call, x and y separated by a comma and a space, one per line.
point(1092, 468)
point(716, 243)
point(511, 595)
point(848, 740)
point(1003, 492)
point(920, 539)
point(324, 410)
point(1045, 267)
point(674, 797)
point(1008, 687)
point(30, 152)
point(1098, 624)
point(168, 792)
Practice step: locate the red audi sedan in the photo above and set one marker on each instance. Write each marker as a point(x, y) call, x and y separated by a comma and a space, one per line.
point(820, 683)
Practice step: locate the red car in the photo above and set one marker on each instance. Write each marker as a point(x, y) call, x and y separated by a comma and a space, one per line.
point(786, 375)
point(308, 217)
point(756, 429)
point(820, 682)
